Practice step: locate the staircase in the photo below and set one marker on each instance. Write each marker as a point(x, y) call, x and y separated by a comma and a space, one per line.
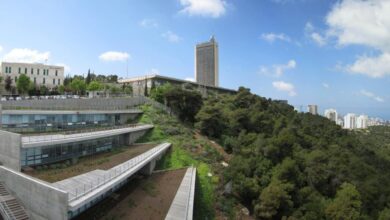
point(10, 208)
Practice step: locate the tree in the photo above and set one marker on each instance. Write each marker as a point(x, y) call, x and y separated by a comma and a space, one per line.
point(346, 204)
point(61, 89)
point(43, 90)
point(23, 84)
point(275, 201)
point(210, 121)
point(127, 89)
point(94, 86)
point(159, 92)
point(8, 83)
point(146, 88)
point(1, 79)
point(88, 79)
point(384, 214)
point(78, 86)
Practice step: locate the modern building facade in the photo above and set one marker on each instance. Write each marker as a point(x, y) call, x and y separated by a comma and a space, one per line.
point(331, 114)
point(28, 121)
point(207, 63)
point(40, 74)
point(313, 109)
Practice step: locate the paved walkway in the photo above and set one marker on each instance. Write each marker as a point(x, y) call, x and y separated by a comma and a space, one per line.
point(183, 203)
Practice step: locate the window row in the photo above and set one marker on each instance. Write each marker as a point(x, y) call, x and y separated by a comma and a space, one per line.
point(45, 72)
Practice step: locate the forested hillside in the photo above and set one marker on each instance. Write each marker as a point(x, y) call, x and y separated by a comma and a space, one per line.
point(289, 165)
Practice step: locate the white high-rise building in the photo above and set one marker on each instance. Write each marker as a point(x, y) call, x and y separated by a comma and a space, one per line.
point(350, 121)
point(331, 114)
point(313, 109)
point(362, 122)
point(206, 63)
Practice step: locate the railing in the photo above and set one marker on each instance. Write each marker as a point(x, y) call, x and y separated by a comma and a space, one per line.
point(5, 214)
point(115, 172)
point(75, 134)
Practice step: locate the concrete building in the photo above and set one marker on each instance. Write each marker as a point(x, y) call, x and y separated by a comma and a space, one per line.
point(40, 74)
point(362, 122)
point(350, 121)
point(313, 109)
point(340, 122)
point(206, 63)
point(139, 84)
point(331, 114)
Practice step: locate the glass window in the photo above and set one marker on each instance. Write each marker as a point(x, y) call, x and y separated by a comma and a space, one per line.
point(16, 79)
point(54, 81)
point(19, 71)
point(35, 80)
point(44, 81)
point(9, 69)
point(56, 72)
point(25, 70)
point(32, 71)
point(37, 71)
point(59, 81)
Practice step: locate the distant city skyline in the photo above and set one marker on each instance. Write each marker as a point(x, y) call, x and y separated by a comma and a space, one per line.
point(304, 58)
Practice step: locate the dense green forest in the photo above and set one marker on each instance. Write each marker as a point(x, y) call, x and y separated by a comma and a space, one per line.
point(290, 165)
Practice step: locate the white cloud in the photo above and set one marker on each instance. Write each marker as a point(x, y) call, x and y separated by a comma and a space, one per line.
point(371, 95)
point(171, 37)
point(148, 23)
point(285, 87)
point(206, 8)
point(367, 23)
point(325, 85)
point(271, 37)
point(26, 55)
point(374, 67)
point(314, 35)
point(190, 79)
point(114, 56)
point(278, 69)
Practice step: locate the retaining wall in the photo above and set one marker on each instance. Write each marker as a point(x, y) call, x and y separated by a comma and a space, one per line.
point(40, 199)
point(10, 144)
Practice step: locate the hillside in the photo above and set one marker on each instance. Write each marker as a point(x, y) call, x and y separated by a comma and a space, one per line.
point(282, 164)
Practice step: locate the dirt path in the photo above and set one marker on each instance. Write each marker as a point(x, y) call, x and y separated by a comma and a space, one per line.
point(101, 161)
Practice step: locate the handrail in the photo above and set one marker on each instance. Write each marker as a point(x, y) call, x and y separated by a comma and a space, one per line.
point(116, 171)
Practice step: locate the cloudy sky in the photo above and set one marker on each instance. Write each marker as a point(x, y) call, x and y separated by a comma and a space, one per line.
point(332, 53)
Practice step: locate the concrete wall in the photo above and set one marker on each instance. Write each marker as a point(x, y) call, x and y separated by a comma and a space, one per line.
point(77, 104)
point(10, 144)
point(41, 200)
point(134, 136)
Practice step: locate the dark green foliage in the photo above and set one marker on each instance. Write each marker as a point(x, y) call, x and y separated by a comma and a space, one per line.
point(293, 165)
point(8, 83)
point(23, 84)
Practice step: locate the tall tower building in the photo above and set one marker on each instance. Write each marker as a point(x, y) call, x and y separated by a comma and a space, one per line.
point(350, 121)
point(313, 109)
point(331, 114)
point(362, 121)
point(206, 63)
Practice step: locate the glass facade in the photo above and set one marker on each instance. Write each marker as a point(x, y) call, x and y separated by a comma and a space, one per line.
point(25, 123)
point(53, 153)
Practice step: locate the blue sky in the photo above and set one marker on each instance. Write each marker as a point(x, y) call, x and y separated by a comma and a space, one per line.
point(332, 53)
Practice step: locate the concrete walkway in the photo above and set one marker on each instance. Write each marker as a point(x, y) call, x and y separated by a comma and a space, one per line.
point(183, 204)
point(85, 187)
point(51, 139)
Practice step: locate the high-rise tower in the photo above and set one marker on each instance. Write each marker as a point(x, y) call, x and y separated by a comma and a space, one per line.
point(206, 63)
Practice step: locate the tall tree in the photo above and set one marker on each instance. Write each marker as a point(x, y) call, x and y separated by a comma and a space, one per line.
point(23, 84)
point(8, 83)
point(78, 86)
point(88, 79)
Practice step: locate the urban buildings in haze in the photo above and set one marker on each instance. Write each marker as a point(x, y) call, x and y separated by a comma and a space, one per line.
point(362, 122)
point(331, 114)
point(313, 109)
point(350, 121)
point(206, 63)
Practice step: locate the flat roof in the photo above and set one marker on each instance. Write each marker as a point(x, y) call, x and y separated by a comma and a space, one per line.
point(35, 64)
point(66, 112)
point(52, 139)
point(140, 78)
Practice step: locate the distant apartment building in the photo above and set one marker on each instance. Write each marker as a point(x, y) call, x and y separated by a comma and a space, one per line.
point(362, 122)
point(340, 122)
point(331, 114)
point(313, 109)
point(350, 121)
point(206, 63)
point(40, 74)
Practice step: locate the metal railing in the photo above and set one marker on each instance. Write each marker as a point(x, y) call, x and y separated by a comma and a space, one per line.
point(115, 172)
point(76, 134)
